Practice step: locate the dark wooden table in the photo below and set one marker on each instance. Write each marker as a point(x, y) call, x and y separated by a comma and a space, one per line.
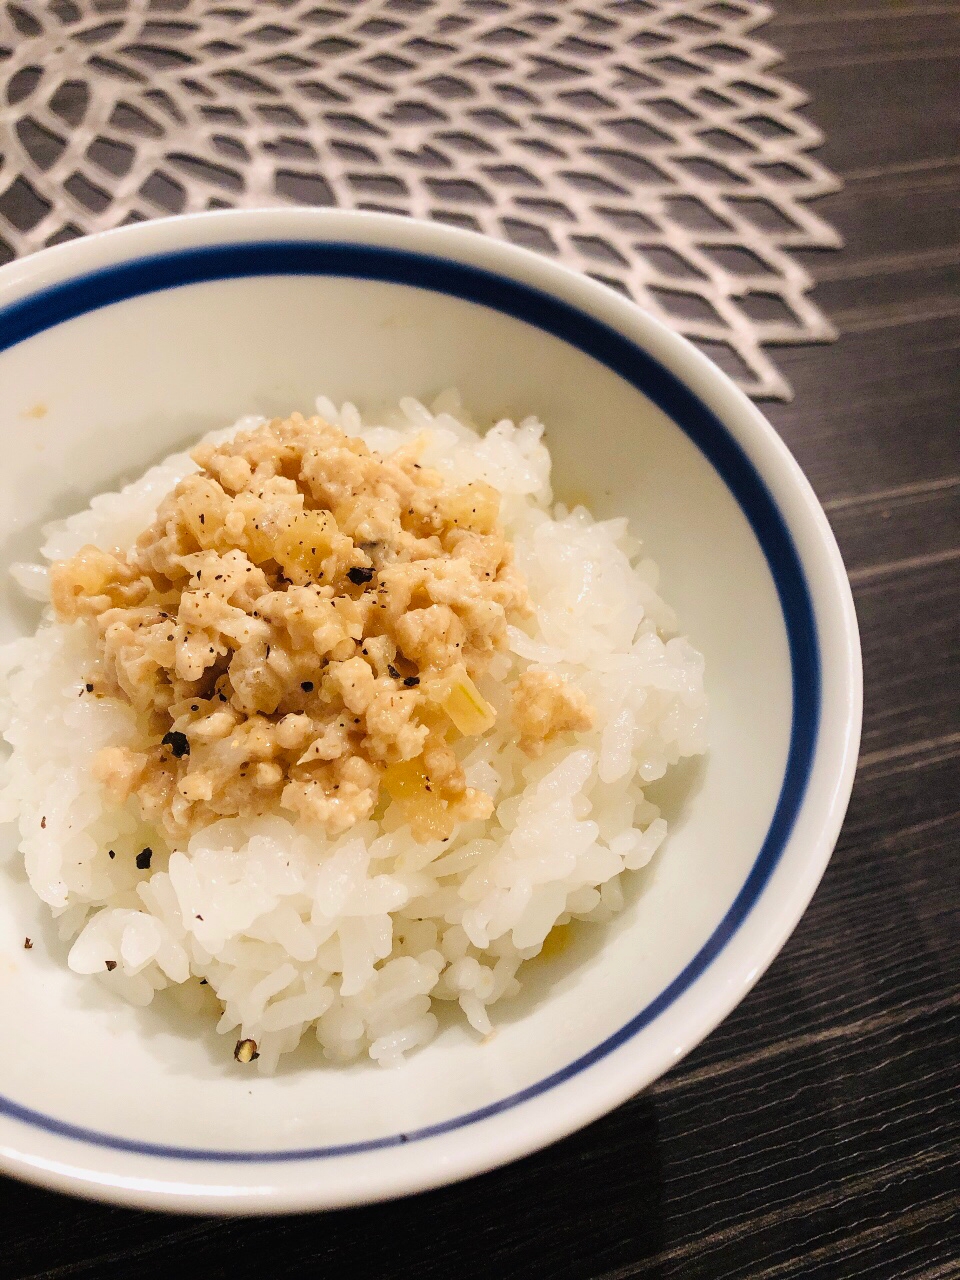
point(817, 1132)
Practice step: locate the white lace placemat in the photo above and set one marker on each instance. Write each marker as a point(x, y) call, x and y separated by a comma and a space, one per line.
point(646, 142)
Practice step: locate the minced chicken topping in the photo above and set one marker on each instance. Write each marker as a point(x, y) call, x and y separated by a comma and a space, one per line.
point(302, 625)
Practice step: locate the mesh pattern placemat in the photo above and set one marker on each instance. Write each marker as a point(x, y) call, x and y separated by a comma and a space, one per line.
point(646, 142)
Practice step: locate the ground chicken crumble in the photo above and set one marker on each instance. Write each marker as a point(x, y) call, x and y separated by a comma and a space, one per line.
point(302, 625)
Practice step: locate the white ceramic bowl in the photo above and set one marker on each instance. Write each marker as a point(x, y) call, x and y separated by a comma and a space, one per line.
point(116, 349)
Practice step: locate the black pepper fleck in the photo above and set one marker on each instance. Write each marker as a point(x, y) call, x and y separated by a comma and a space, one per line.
point(411, 681)
point(143, 859)
point(394, 672)
point(43, 824)
point(177, 742)
point(111, 965)
point(359, 576)
point(89, 688)
point(306, 686)
point(111, 854)
point(28, 944)
point(246, 1051)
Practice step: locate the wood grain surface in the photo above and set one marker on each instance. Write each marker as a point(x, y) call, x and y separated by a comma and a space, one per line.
point(816, 1133)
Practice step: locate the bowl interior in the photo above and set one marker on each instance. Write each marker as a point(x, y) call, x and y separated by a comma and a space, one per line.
point(93, 401)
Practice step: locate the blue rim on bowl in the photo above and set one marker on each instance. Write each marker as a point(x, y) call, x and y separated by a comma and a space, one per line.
point(112, 284)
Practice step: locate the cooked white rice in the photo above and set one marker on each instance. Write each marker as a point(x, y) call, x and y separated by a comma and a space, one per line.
point(354, 939)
